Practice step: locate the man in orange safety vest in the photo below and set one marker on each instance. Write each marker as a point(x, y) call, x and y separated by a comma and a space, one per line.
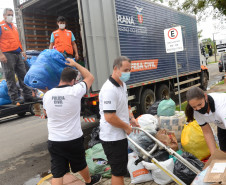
point(11, 59)
point(63, 40)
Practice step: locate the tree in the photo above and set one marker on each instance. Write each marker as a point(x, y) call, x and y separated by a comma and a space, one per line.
point(198, 7)
point(201, 5)
point(200, 34)
point(208, 43)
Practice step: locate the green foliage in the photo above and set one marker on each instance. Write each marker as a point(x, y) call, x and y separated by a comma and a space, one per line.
point(213, 62)
point(183, 106)
point(221, 82)
point(199, 6)
point(200, 34)
point(206, 42)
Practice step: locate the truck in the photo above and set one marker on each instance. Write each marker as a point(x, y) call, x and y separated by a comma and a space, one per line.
point(106, 29)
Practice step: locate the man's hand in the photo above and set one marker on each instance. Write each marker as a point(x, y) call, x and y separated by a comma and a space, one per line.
point(24, 55)
point(134, 123)
point(3, 58)
point(70, 62)
point(76, 56)
point(128, 130)
point(44, 90)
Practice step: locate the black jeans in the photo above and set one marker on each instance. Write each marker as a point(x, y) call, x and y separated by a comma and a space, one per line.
point(15, 65)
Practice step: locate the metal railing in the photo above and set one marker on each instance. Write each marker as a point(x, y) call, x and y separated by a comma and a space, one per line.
point(169, 150)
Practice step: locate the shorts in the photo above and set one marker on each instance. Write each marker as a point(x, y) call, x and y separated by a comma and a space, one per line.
point(64, 153)
point(117, 155)
point(221, 134)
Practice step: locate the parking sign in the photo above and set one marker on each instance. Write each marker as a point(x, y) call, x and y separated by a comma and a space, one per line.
point(173, 39)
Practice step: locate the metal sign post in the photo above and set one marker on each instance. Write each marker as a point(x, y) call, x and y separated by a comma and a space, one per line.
point(174, 43)
point(178, 81)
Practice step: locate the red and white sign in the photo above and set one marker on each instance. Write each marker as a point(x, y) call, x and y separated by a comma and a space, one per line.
point(143, 65)
point(173, 39)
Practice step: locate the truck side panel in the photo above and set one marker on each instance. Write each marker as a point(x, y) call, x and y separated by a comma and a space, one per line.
point(141, 27)
point(102, 40)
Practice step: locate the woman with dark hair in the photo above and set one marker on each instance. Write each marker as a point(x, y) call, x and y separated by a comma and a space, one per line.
point(207, 109)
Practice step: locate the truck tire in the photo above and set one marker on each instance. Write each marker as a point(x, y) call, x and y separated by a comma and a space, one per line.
point(220, 69)
point(204, 80)
point(163, 92)
point(147, 99)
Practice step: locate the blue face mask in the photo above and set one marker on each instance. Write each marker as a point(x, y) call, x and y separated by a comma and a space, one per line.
point(125, 76)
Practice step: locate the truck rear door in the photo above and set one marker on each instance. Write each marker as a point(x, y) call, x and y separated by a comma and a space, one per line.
point(101, 37)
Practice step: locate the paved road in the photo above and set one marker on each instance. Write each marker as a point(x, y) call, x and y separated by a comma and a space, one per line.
point(215, 75)
point(24, 156)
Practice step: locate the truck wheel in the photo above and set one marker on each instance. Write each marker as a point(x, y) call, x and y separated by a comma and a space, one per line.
point(220, 69)
point(147, 99)
point(22, 114)
point(204, 80)
point(163, 92)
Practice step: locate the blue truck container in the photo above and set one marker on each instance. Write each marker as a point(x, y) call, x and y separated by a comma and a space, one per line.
point(106, 29)
point(141, 34)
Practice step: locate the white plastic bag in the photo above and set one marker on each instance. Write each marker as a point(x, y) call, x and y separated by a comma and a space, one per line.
point(158, 175)
point(150, 124)
point(137, 172)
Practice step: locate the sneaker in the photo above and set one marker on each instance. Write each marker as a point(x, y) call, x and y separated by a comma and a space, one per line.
point(95, 179)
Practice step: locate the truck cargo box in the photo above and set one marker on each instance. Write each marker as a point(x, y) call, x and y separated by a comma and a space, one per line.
point(105, 29)
point(141, 27)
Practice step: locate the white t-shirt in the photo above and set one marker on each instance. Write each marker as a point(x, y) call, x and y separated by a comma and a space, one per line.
point(219, 116)
point(63, 106)
point(113, 98)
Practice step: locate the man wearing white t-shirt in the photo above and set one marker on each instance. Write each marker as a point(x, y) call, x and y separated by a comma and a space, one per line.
point(65, 141)
point(115, 119)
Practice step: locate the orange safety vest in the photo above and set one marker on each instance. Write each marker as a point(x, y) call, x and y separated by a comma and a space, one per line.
point(62, 41)
point(9, 40)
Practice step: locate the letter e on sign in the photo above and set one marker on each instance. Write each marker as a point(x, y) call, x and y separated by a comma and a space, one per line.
point(172, 33)
point(173, 39)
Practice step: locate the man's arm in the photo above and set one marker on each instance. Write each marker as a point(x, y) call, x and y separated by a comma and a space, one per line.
point(88, 77)
point(132, 120)
point(75, 49)
point(3, 57)
point(208, 134)
point(114, 120)
point(51, 45)
point(51, 41)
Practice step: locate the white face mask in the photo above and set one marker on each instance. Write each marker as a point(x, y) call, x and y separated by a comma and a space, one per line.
point(9, 19)
point(61, 26)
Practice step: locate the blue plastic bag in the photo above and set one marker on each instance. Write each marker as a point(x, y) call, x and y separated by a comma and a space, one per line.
point(46, 71)
point(31, 61)
point(4, 97)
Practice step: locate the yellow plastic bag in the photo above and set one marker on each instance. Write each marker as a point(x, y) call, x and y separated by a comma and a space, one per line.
point(193, 141)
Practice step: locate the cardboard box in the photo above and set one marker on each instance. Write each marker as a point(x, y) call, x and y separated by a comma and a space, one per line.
point(216, 172)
